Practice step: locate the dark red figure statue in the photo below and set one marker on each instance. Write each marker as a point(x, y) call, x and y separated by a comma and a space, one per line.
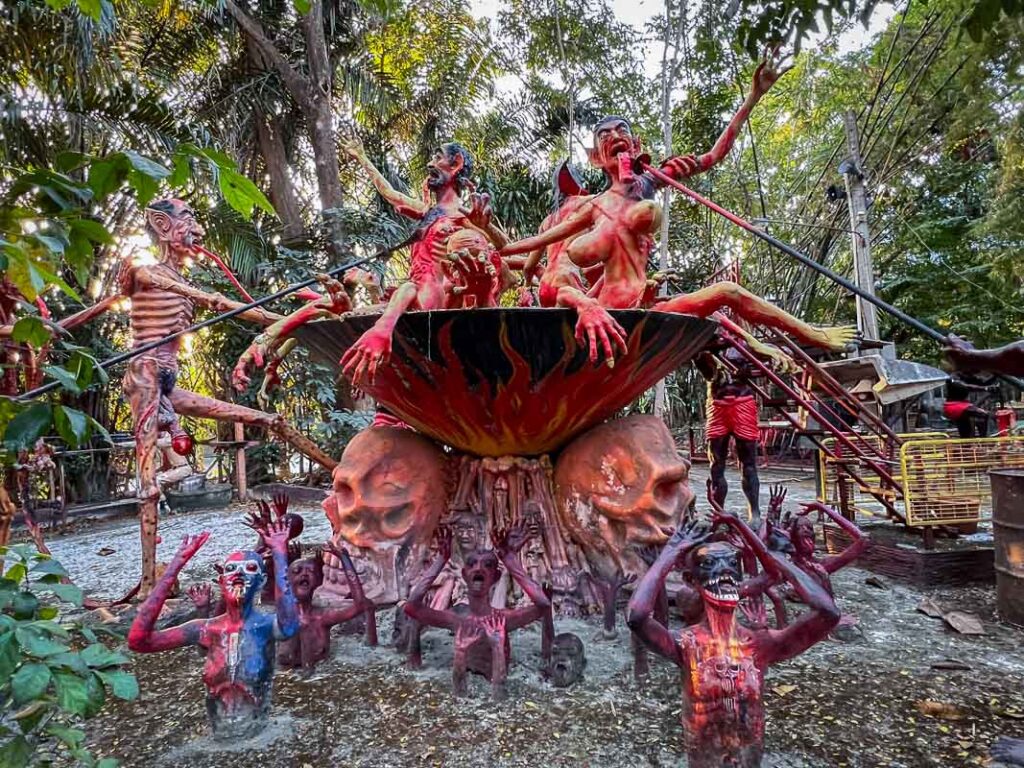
point(801, 533)
point(481, 634)
point(1007, 360)
point(723, 662)
point(239, 643)
point(313, 642)
point(731, 415)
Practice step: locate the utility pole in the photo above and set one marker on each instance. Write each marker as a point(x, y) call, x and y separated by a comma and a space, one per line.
point(863, 269)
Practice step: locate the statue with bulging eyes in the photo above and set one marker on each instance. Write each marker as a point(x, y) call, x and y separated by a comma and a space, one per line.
point(568, 660)
point(240, 643)
point(481, 632)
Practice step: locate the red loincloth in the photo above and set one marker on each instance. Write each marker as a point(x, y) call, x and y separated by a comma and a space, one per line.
point(954, 409)
point(735, 416)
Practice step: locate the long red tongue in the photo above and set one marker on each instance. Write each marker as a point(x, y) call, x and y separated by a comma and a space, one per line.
point(224, 268)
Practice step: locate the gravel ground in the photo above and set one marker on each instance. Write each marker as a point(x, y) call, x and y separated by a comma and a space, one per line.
point(856, 702)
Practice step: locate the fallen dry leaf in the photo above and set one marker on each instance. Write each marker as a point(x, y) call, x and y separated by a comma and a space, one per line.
point(930, 608)
point(964, 623)
point(939, 709)
point(782, 690)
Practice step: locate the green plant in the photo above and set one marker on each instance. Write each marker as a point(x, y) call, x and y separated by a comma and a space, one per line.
point(53, 672)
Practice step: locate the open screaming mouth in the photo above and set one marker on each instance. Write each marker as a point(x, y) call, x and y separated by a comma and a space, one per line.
point(722, 590)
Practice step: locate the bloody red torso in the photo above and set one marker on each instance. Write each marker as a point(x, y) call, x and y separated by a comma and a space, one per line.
point(723, 710)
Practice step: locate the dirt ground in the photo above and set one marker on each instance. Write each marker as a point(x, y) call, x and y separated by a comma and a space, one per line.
point(856, 702)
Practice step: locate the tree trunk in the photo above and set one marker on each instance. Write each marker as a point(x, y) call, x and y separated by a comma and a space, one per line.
point(282, 190)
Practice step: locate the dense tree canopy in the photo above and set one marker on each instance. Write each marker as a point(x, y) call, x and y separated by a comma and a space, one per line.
point(239, 106)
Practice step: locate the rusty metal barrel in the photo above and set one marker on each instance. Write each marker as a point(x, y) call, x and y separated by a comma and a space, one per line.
point(1008, 531)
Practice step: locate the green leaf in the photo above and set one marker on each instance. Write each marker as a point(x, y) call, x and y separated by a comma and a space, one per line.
point(92, 230)
point(58, 5)
point(17, 573)
point(91, 8)
point(145, 165)
point(302, 6)
point(48, 612)
point(145, 186)
point(16, 753)
point(69, 593)
point(20, 272)
point(27, 427)
point(35, 644)
point(31, 330)
point(122, 684)
point(241, 194)
point(48, 565)
point(70, 660)
point(98, 655)
point(97, 695)
point(100, 429)
point(72, 693)
point(29, 682)
point(72, 425)
point(70, 736)
point(67, 379)
point(55, 279)
point(105, 176)
point(9, 656)
point(107, 762)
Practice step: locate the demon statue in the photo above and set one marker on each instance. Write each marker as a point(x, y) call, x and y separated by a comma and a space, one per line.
point(481, 631)
point(969, 419)
point(600, 244)
point(312, 643)
point(389, 492)
point(617, 486)
point(725, 662)
point(441, 241)
point(163, 303)
point(800, 530)
point(239, 643)
point(568, 660)
point(731, 416)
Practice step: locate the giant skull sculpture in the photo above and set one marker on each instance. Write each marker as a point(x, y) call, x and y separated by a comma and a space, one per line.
point(617, 486)
point(388, 494)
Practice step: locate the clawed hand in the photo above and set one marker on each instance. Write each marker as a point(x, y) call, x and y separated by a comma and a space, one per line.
point(201, 594)
point(189, 546)
point(364, 357)
point(594, 325)
point(494, 625)
point(511, 540)
point(773, 66)
point(479, 213)
point(443, 542)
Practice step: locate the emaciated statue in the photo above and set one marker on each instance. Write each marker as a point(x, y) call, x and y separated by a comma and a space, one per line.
point(481, 632)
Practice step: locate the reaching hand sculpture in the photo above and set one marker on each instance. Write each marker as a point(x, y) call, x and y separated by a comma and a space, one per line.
point(450, 237)
point(725, 662)
point(270, 348)
point(481, 635)
point(600, 244)
point(163, 303)
point(239, 643)
point(312, 643)
point(800, 528)
point(963, 356)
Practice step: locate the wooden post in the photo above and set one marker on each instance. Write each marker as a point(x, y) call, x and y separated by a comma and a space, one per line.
point(240, 461)
point(864, 272)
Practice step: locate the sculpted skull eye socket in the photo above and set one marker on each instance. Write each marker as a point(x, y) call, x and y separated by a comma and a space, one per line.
point(251, 567)
point(666, 492)
point(230, 567)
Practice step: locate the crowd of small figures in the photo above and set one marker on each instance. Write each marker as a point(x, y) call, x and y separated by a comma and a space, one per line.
point(727, 569)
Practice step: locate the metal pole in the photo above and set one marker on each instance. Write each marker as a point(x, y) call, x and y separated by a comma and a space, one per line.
point(867, 314)
point(132, 353)
point(789, 250)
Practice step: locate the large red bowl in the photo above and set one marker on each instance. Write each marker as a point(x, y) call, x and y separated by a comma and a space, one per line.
point(498, 382)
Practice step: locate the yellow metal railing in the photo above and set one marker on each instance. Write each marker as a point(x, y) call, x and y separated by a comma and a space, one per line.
point(859, 496)
point(945, 482)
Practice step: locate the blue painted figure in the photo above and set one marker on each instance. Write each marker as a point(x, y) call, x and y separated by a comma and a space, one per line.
point(240, 643)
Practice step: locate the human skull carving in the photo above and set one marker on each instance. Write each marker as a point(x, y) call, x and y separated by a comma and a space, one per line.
point(389, 491)
point(618, 485)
